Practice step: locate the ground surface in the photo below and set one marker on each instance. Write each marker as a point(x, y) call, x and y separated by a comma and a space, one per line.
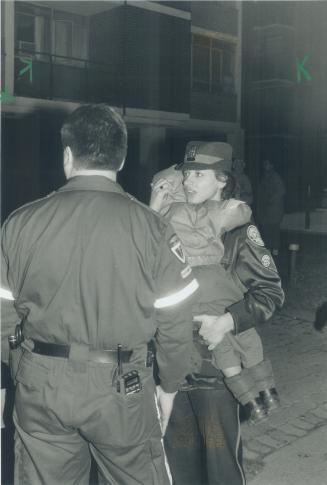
point(290, 448)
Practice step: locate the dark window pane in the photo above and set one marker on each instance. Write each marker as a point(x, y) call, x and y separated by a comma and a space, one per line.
point(217, 44)
point(201, 58)
point(201, 40)
point(25, 27)
point(228, 63)
point(63, 41)
point(216, 66)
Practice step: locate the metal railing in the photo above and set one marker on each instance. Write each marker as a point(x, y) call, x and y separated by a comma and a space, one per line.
point(75, 79)
point(68, 78)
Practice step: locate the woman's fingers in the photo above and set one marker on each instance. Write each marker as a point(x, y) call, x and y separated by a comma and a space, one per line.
point(161, 184)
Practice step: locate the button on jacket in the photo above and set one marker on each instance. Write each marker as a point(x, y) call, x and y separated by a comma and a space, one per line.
point(90, 265)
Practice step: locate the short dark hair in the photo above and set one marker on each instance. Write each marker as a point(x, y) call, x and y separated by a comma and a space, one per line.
point(97, 137)
point(229, 189)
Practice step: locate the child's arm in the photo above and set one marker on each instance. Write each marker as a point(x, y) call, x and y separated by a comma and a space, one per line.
point(233, 213)
point(167, 188)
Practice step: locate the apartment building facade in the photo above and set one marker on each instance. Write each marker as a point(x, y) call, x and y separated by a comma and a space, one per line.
point(172, 69)
point(284, 112)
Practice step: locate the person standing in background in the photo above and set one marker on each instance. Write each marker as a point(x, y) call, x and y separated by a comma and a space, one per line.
point(270, 206)
point(243, 187)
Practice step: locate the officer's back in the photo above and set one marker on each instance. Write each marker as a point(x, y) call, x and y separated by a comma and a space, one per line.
point(95, 275)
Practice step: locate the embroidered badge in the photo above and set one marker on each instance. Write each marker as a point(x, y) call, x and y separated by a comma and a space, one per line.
point(254, 236)
point(185, 272)
point(177, 249)
point(192, 152)
point(265, 260)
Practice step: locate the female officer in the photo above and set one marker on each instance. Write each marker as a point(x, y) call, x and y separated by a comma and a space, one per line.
point(202, 441)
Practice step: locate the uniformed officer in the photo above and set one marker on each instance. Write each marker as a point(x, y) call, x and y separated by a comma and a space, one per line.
point(93, 275)
point(203, 442)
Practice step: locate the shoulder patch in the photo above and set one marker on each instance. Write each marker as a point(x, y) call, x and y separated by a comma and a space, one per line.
point(266, 260)
point(177, 248)
point(254, 235)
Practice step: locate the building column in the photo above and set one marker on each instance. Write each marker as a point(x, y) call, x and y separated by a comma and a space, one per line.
point(8, 25)
point(153, 155)
point(236, 139)
point(238, 61)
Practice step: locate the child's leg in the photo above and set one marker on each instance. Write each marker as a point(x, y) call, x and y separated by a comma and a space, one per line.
point(225, 358)
point(259, 367)
point(251, 353)
point(228, 361)
point(239, 381)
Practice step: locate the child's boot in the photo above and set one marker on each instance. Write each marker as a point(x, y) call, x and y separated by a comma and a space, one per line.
point(263, 375)
point(255, 411)
point(270, 399)
point(242, 386)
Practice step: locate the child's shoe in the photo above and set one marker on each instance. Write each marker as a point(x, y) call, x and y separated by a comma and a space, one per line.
point(270, 399)
point(255, 411)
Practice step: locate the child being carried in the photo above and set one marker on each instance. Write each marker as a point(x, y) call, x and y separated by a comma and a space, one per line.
point(200, 227)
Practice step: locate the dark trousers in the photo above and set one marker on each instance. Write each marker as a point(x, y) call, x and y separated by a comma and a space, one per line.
point(66, 410)
point(202, 442)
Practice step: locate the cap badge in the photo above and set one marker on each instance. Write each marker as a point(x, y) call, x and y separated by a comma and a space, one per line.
point(191, 154)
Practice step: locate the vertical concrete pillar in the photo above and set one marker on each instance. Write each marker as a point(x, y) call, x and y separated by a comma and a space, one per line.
point(8, 25)
point(153, 155)
point(236, 139)
point(238, 60)
point(294, 248)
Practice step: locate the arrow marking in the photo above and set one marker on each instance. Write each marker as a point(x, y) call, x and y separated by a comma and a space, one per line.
point(28, 68)
point(301, 71)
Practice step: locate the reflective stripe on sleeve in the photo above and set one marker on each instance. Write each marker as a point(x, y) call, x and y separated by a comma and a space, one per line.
point(6, 294)
point(177, 297)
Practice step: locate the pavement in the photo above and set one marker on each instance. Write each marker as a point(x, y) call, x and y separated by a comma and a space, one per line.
point(290, 447)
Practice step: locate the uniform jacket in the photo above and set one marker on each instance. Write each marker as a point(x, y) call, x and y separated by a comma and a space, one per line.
point(253, 270)
point(200, 227)
point(252, 267)
point(90, 265)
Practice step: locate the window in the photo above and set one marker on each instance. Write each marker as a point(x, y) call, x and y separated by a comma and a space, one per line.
point(25, 32)
point(45, 31)
point(63, 38)
point(213, 63)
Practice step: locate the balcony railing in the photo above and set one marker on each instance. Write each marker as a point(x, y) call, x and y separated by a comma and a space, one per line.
point(72, 79)
point(68, 78)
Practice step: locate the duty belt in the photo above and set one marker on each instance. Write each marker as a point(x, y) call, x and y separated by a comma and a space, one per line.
point(100, 356)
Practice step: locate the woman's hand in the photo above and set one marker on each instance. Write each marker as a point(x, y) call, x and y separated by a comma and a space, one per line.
point(160, 192)
point(213, 328)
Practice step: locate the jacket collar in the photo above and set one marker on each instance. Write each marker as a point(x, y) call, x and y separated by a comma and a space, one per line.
point(92, 182)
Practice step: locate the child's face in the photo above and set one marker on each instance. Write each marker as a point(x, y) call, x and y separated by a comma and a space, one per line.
point(201, 185)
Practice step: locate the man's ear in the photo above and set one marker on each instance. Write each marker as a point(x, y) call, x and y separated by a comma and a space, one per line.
point(68, 162)
point(121, 165)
